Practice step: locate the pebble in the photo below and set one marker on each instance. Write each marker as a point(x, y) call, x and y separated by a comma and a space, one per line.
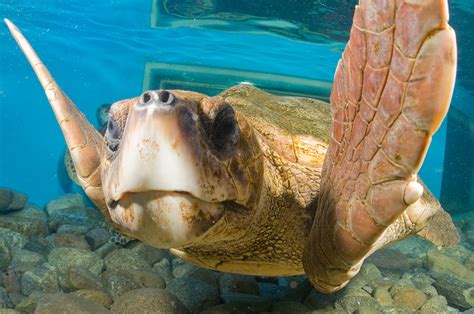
point(438, 262)
point(144, 278)
point(469, 263)
point(289, 307)
point(28, 305)
point(71, 241)
point(96, 296)
point(44, 278)
point(151, 254)
point(78, 277)
point(352, 303)
point(11, 200)
point(148, 301)
point(436, 304)
point(409, 298)
point(195, 294)
point(72, 229)
point(382, 296)
point(14, 240)
point(5, 254)
point(404, 282)
point(63, 258)
point(163, 268)
point(31, 221)
point(117, 285)
point(67, 304)
point(11, 280)
point(97, 237)
point(24, 260)
point(453, 290)
point(125, 259)
point(72, 200)
point(238, 283)
point(5, 301)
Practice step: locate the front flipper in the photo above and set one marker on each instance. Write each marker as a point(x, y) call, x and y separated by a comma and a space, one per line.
point(392, 89)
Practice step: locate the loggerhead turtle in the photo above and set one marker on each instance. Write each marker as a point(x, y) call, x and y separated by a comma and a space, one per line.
point(250, 183)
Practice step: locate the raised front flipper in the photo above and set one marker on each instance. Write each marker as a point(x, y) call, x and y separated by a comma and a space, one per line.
point(83, 140)
point(392, 89)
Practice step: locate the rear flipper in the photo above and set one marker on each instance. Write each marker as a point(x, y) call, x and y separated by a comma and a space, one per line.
point(392, 90)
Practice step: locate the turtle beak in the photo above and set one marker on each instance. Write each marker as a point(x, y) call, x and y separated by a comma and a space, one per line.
point(83, 140)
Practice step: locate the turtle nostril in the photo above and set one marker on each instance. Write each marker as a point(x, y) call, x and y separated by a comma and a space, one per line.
point(146, 98)
point(165, 97)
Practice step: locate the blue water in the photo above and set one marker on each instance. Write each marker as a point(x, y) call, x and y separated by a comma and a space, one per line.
point(98, 51)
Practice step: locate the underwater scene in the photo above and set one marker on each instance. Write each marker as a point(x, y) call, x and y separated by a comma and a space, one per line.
point(219, 156)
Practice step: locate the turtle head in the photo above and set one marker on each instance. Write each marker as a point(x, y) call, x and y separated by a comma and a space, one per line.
point(170, 165)
point(173, 165)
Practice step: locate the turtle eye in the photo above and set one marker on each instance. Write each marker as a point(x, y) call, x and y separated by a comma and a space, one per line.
point(225, 131)
point(112, 134)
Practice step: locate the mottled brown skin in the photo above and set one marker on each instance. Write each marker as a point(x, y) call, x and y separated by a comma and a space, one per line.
point(302, 189)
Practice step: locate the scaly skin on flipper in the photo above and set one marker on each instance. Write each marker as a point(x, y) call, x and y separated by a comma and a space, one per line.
point(392, 89)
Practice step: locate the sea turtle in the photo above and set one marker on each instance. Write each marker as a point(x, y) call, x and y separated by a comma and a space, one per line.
point(250, 183)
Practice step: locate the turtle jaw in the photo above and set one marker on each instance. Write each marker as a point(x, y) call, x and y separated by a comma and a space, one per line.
point(165, 219)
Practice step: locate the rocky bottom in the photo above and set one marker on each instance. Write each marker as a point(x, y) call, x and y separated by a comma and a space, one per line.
point(61, 259)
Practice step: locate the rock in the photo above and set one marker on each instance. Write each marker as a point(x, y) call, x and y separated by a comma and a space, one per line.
point(5, 301)
point(205, 275)
point(89, 217)
point(183, 270)
point(39, 245)
point(370, 272)
point(163, 268)
point(195, 294)
point(469, 263)
point(97, 237)
point(79, 278)
point(71, 241)
point(298, 288)
point(72, 229)
point(44, 278)
point(453, 289)
point(10, 280)
point(404, 282)
point(409, 298)
point(240, 307)
point(105, 249)
point(63, 258)
point(31, 221)
point(99, 297)
point(144, 278)
point(5, 255)
point(67, 304)
point(149, 253)
point(125, 259)
point(459, 252)
point(11, 200)
point(367, 309)
point(233, 297)
point(148, 301)
point(289, 307)
point(14, 240)
point(352, 303)
point(237, 283)
point(24, 260)
point(441, 263)
point(382, 296)
point(28, 305)
point(320, 301)
point(436, 304)
point(9, 311)
point(117, 285)
point(73, 200)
